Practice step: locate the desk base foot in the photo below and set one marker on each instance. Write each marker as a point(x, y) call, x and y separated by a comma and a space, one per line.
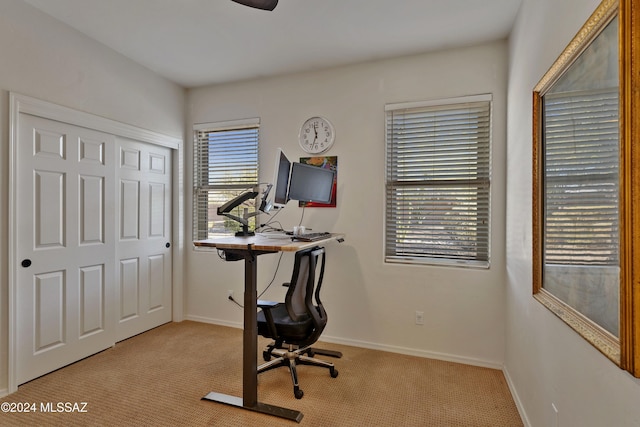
point(263, 408)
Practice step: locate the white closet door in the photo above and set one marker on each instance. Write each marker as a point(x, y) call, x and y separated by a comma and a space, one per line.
point(65, 290)
point(144, 237)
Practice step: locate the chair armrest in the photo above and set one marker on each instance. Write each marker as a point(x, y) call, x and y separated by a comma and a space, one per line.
point(267, 304)
point(266, 307)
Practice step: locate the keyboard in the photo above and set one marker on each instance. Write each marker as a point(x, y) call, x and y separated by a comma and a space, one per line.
point(312, 237)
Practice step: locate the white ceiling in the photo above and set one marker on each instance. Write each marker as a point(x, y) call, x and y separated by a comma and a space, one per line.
point(200, 42)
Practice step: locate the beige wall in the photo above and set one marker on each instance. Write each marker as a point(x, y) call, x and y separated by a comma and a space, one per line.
point(47, 60)
point(546, 361)
point(370, 303)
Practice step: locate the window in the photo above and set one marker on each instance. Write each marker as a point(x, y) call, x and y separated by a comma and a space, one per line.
point(581, 158)
point(581, 188)
point(225, 164)
point(437, 182)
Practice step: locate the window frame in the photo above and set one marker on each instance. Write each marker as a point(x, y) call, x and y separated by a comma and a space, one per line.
point(482, 181)
point(202, 169)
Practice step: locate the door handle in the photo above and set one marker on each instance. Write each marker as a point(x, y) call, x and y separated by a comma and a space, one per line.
point(26, 263)
point(168, 245)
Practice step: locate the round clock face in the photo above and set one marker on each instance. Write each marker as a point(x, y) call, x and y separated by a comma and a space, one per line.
point(316, 135)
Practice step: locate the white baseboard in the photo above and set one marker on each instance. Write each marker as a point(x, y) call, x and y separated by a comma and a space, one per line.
point(373, 346)
point(237, 325)
point(414, 352)
point(516, 398)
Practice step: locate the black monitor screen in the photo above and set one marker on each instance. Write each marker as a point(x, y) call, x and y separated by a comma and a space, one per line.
point(310, 183)
point(281, 179)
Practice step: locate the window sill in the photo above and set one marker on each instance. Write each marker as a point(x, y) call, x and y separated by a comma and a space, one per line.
point(482, 265)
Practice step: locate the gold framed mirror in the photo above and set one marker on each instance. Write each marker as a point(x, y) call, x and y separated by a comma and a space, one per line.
point(586, 184)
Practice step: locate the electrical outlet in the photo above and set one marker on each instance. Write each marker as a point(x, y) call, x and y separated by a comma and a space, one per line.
point(230, 294)
point(419, 317)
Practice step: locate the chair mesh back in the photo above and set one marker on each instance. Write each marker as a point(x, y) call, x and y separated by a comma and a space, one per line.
point(298, 291)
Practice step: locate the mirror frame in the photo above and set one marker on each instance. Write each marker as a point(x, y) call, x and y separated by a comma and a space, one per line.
point(625, 349)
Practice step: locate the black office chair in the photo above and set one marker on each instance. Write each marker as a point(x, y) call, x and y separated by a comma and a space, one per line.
point(298, 322)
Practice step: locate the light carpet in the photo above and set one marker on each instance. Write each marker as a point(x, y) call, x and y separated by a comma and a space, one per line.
point(158, 379)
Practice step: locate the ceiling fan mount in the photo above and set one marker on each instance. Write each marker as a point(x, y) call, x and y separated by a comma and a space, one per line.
point(259, 4)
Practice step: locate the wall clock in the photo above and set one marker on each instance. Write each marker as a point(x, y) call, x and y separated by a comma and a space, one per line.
point(316, 135)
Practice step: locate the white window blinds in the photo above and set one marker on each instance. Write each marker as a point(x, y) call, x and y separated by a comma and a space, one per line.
point(225, 165)
point(437, 182)
point(581, 162)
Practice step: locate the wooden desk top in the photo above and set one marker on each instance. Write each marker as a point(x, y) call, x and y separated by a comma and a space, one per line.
point(264, 242)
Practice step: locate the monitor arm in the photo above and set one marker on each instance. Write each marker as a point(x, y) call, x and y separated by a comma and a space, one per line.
point(265, 206)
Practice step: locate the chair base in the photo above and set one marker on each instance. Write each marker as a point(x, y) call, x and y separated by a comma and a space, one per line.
point(296, 356)
point(311, 351)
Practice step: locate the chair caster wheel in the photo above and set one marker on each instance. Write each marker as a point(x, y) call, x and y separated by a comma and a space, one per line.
point(334, 373)
point(298, 393)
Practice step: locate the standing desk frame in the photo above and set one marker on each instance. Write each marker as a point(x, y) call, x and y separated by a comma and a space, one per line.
point(249, 248)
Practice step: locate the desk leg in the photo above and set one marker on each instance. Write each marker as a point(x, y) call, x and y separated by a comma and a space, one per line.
point(250, 350)
point(250, 333)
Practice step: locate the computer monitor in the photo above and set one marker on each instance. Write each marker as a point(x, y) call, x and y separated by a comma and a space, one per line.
point(281, 180)
point(310, 183)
